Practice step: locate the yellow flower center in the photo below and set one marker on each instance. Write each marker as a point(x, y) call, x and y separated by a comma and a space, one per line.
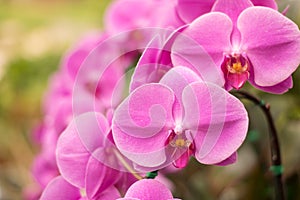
point(180, 142)
point(236, 66)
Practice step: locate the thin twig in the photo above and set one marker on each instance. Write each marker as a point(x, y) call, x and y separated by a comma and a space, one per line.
point(276, 167)
point(127, 166)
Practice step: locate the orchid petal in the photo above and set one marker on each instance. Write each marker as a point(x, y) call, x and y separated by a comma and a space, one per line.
point(99, 176)
point(272, 44)
point(72, 157)
point(75, 58)
point(60, 189)
point(266, 3)
point(188, 10)
point(145, 111)
point(148, 189)
point(166, 15)
point(147, 69)
point(182, 159)
point(126, 180)
point(203, 28)
point(206, 38)
point(177, 79)
point(231, 8)
point(76, 144)
point(221, 125)
point(230, 160)
point(141, 122)
point(156, 58)
point(279, 88)
point(237, 80)
point(109, 194)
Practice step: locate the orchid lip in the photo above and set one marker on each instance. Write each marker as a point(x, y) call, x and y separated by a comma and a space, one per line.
point(180, 143)
point(177, 138)
point(236, 69)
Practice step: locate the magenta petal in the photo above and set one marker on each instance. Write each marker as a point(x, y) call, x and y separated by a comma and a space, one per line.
point(231, 159)
point(223, 122)
point(274, 48)
point(141, 124)
point(72, 156)
point(148, 189)
point(99, 176)
point(147, 69)
point(231, 8)
point(83, 101)
point(210, 32)
point(267, 3)
point(188, 10)
point(156, 58)
point(145, 111)
point(60, 189)
point(177, 79)
point(165, 15)
point(183, 160)
point(109, 194)
point(237, 80)
point(279, 88)
point(75, 58)
point(123, 15)
point(125, 181)
point(76, 144)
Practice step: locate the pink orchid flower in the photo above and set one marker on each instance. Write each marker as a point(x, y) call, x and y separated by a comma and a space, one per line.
point(148, 189)
point(88, 159)
point(189, 10)
point(85, 154)
point(248, 43)
point(92, 83)
point(73, 60)
point(167, 122)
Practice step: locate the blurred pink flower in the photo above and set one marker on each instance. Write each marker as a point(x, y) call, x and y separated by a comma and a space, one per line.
point(62, 101)
point(128, 15)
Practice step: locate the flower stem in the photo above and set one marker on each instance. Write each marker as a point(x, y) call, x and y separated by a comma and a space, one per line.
point(127, 166)
point(276, 167)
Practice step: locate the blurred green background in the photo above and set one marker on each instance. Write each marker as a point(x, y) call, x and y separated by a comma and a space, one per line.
point(34, 34)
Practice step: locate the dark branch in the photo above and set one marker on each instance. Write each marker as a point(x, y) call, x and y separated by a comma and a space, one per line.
point(276, 167)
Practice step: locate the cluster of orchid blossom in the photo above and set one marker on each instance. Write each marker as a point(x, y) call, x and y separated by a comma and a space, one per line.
point(100, 137)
